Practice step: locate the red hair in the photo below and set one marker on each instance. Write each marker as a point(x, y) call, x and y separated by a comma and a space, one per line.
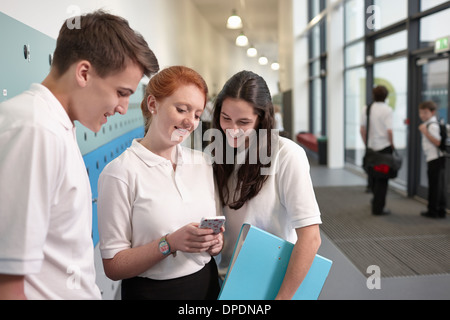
point(166, 82)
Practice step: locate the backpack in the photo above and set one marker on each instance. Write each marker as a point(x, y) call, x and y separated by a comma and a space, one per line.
point(444, 132)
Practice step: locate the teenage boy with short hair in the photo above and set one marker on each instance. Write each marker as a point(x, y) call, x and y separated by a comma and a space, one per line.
point(46, 249)
point(431, 138)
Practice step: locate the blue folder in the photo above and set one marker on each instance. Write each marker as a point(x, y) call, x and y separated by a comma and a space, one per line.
point(258, 266)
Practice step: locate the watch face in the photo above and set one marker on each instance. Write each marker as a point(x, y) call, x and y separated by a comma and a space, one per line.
point(164, 247)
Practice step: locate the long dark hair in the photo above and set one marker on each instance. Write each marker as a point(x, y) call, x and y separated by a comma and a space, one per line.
point(253, 89)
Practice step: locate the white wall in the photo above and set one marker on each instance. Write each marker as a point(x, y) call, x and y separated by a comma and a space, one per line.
point(174, 29)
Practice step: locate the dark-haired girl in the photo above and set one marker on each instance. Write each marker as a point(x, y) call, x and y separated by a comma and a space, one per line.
point(271, 188)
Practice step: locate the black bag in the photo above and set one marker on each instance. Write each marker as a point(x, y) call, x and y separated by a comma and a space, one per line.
point(382, 165)
point(379, 164)
point(443, 131)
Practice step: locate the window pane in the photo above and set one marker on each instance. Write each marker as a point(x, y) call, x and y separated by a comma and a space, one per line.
point(393, 75)
point(391, 44)
point(427, 4)
point(434, 27)
point(435, 85)
point(354, 20)
point(355, 99)
point(387, 12)
point(354, 54)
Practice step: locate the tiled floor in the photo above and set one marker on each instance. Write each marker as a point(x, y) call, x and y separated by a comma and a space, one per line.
point(346, 282)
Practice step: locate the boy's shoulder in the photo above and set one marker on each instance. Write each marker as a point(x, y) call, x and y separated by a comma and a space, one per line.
point(36, 107)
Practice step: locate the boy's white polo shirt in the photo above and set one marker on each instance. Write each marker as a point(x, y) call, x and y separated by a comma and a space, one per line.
point(45, 200)
point(429, 149)
point(380, 123)
point(141, 198)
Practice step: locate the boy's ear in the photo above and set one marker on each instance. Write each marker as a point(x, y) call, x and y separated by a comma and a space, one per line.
point(83, 71)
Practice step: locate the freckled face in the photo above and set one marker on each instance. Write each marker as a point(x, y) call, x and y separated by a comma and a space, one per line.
point(178, 115)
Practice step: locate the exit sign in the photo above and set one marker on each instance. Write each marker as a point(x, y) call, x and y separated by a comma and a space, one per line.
point(442, 45)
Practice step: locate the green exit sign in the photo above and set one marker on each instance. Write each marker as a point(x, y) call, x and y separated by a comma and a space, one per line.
point(442, 45)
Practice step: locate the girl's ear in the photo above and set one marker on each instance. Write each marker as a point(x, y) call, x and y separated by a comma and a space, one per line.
point(151, 104)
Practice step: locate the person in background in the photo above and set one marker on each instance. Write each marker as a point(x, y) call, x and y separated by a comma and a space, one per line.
point(46, 249)
point(153, 196)
point(380, 140)
point(278, 121)
point(431, 139)
point(278, 118)
point(277, 197)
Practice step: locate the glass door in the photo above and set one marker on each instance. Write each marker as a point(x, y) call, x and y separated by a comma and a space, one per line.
point(434, 85)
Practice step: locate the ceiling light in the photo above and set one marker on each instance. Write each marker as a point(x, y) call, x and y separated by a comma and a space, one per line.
point(252, 52)
point(234, 21)
point(275, 66)
point(263, 61)
point(242, 40)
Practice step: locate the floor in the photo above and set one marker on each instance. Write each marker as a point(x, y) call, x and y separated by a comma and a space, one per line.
point(346, 282)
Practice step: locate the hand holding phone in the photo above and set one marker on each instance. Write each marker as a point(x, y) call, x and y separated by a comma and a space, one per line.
point(214, 223)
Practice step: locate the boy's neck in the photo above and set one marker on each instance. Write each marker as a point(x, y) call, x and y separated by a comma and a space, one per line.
point(58, 87)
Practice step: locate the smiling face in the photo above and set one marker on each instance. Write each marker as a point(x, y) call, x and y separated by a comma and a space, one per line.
point(237, 118)
point(101, 98)
point(177, 116)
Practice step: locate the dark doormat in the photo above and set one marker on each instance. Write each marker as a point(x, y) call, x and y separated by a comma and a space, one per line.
point(401, 244)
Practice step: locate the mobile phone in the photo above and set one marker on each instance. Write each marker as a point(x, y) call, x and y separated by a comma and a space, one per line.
point(214, 223)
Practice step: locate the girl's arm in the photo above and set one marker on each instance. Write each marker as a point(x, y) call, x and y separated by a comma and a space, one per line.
point(302, 257)
point(132, 262)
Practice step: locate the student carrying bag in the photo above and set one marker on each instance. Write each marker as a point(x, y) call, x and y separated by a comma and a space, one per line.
point(377, 164)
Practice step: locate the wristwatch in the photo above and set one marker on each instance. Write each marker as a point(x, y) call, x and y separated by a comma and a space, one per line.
point(164, 246)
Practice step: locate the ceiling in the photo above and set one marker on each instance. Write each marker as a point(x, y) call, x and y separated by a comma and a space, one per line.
point(259, 17)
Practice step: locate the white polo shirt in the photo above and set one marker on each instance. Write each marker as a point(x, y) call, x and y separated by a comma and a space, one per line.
point(45, 200)
point(141, 198)
point(380, 123)
point(429, 149)
point(286, 201)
